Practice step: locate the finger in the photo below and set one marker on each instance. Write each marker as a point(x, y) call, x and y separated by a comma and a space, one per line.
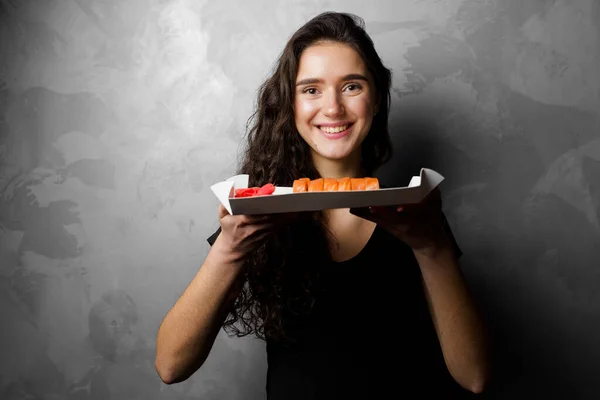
point(259, 237)
point(260, 218)
point(255, 219)
point(260, 232)
point(265, 226)
point(271, 224)
point(222, 211)
point(419, 214)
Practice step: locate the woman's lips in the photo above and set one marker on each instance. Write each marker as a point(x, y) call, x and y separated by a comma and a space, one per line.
point(335, 135)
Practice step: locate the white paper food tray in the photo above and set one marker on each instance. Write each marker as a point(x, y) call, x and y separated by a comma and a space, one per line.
point(284, 200)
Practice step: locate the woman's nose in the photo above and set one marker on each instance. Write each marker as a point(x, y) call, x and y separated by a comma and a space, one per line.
point(332, 106)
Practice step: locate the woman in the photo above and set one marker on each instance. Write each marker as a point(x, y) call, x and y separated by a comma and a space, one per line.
point(351, 303)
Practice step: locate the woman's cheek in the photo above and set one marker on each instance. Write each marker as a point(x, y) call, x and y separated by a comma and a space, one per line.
point(307, 109)
point(363, 106)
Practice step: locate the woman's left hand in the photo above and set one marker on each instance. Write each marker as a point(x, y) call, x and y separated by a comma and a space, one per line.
point(419, 225)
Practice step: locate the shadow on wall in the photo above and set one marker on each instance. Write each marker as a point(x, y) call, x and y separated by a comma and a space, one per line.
point(530, 258)
point(124, 357)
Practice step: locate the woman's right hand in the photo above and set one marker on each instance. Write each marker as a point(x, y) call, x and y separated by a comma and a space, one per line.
point(241, 234)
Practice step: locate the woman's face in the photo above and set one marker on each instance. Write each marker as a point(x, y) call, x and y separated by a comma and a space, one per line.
point(334, 101)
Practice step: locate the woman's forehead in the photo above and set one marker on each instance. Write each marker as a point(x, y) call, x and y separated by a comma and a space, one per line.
point(330, 60)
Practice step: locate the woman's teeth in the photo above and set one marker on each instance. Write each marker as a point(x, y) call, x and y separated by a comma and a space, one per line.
point(336, 129)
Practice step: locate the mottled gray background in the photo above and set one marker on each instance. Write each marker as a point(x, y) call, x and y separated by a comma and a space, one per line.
point(116, 116)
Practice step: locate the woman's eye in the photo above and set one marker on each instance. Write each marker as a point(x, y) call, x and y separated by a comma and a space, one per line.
point(353, 87)
point(310, 91)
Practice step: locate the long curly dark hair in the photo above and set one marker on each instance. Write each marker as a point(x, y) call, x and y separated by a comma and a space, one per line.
point(281, 281)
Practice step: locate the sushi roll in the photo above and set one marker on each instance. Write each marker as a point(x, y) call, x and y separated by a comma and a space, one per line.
point(335, 185)
point(316, 185)
point(300, 185)
point(371, 184)
point(344, 184)
point(357, 183)
point(330, 185)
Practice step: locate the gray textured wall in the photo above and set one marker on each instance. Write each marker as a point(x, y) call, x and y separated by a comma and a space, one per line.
point(116, 116)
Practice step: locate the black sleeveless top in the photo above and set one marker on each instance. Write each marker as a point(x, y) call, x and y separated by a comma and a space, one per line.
point(370, 335)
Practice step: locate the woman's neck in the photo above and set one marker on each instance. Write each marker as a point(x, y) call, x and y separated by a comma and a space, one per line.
point(349, 167)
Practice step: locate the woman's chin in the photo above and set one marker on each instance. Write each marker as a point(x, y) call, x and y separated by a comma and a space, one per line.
point(336, 156)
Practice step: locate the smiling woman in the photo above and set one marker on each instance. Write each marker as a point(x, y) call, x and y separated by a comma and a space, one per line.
point(322, 288)
point(334, 102)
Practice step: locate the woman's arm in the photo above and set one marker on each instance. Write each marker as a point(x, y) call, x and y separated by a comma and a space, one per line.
point(187, 333)
point(460, 330)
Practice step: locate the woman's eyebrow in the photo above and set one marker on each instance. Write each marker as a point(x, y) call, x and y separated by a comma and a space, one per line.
point(349, 77)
